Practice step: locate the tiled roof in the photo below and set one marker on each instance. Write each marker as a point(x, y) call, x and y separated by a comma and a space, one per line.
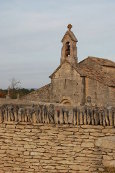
point(93, 72)
point(100, 61)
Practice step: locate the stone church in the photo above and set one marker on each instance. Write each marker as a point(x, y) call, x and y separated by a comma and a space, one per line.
point(89, 81)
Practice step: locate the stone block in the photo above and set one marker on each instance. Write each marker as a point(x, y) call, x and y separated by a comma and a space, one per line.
point(106, 142)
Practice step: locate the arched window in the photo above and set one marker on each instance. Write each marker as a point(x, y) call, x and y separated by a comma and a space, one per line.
point(67, 49)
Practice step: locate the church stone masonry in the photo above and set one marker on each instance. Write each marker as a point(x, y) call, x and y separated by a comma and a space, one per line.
point(89, 81)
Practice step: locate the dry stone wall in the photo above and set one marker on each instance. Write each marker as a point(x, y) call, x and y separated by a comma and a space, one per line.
point(41, 94)
point(42, 146)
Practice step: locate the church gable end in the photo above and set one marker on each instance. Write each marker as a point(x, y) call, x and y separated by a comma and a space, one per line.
point(65, 71)
point(67, 85)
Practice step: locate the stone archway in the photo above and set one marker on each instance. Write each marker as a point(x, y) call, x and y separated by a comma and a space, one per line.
point(65, 102)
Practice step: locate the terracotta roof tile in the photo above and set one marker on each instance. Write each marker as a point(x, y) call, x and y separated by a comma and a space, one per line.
point(100, 61)
point(86, 69)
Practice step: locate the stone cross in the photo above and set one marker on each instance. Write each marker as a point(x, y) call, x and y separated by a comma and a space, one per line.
point(9, 91)
point(8, 94)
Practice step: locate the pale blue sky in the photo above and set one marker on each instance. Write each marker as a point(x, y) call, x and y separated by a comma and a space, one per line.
point(31, 33)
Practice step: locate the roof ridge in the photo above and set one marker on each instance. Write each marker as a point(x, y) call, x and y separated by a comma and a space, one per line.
point(100, 61)
point(99, 58)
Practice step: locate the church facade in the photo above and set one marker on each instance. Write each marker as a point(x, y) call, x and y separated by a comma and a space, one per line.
point(89, 81)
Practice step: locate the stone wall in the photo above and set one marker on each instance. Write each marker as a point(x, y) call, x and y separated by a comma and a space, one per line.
point(112, 95)
point(67, 85)
point(101, 95)
point(4, 101)
point(41, 94)
point(75, 144)
point(53, 148)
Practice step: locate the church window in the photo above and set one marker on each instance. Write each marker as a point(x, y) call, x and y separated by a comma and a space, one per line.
point(67, 49)
point(65, 84)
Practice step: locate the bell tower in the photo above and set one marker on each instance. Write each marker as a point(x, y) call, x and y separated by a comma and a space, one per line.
point(69, 48)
